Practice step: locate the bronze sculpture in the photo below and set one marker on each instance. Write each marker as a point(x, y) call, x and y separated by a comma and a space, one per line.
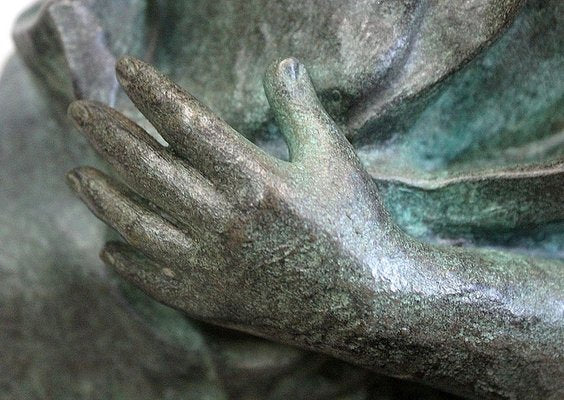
point(303, 251)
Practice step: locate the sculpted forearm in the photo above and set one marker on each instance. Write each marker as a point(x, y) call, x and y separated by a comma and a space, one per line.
point(481, 324)
point(488, 324)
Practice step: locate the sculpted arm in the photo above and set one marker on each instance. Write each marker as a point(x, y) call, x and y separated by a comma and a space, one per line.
point(303, 251)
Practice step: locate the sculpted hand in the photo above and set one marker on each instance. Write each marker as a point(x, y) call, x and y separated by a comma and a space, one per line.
point(217, 227)
point(303, 251)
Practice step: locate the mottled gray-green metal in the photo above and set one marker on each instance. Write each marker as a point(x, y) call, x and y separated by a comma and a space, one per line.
point(352, 251)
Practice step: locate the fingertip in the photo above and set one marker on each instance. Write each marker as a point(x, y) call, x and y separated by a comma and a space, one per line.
point(81, 177)
point(73, 179)
point(79, 111)
point(287, 73)
point(109, 252)
point(290, 69)
point(288, 81)
point(127, 68)
point(84, 112)
point(106, 256)
point(77, 177)
point(298, 111)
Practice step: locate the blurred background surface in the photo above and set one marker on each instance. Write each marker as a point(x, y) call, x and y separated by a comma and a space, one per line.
point(9, 11)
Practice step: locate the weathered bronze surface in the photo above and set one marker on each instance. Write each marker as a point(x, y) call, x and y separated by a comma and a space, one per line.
point(397, 209)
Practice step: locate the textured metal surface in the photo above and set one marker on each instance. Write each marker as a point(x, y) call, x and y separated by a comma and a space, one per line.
point(311, 251)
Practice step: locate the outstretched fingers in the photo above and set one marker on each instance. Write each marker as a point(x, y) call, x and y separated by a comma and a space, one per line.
point(192, 130)
point(114, 204)
point(147, 167)
point(308, 129)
